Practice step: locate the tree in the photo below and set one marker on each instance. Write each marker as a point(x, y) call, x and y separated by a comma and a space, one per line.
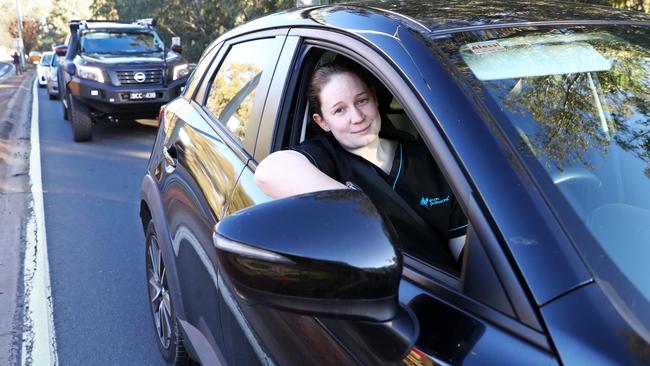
point(32, 11)
point(638, 5)
point(56, 27)
point(30, 31)
point(197, 22)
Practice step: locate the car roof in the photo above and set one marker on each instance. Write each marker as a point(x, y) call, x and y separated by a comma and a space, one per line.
point(443, 16)
point(454, 15)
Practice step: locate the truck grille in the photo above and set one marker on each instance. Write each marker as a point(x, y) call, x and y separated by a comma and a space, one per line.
point(152, 76)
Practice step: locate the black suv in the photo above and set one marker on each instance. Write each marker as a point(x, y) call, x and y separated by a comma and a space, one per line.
point(115, 71)
point(532, 115)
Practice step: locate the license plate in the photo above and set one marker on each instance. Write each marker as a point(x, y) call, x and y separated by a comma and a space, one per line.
point(147, 95)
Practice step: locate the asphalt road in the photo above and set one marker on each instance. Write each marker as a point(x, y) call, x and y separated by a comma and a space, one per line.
point(95, 241)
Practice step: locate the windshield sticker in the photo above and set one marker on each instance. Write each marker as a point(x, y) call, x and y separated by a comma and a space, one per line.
point(486, 47)
point(517, 58)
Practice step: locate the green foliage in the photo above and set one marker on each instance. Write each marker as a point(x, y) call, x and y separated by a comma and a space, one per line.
point(55, 29)
point(638, 5)
point(197, 22)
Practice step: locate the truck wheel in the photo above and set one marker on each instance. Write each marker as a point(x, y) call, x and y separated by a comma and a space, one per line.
point(81, 123)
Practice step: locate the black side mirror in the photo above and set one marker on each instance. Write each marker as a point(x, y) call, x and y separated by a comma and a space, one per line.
point(176, 48)
point(324, 254)
point(70, 67)
point(61, 50)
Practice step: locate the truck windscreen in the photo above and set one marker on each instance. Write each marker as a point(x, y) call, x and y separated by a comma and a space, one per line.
point(120, 42)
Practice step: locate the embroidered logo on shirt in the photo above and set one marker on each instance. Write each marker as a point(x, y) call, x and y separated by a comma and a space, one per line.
point(428, 202)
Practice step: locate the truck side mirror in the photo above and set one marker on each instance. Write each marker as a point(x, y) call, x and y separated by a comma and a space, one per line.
point(61, 50)
point(176, 45)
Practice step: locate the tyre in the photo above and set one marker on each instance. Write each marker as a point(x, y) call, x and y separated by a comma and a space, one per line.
point(168, 336)
point(51, 96)
point(82, 124)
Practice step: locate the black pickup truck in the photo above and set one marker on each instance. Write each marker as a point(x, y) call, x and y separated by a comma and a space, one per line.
point(117, 71)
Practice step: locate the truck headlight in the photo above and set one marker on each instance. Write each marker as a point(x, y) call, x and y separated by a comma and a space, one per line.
point(181, 70)
point(90, 73)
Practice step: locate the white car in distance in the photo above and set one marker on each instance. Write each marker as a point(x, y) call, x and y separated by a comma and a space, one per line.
point(43, 68)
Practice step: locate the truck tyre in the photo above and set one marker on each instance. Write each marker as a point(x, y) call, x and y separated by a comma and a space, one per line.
point(82, 124)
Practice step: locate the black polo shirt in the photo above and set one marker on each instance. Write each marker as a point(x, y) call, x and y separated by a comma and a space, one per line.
point(414, 181)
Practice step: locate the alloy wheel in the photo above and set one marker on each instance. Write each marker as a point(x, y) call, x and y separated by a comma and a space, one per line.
point(159, 293)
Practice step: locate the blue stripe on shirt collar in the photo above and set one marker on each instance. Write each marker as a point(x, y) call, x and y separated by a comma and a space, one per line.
point(458, 228)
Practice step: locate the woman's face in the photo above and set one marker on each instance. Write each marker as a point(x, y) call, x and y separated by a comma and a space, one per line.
point(349, 111)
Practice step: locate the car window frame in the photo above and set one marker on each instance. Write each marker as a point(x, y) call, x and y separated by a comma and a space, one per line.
point(246, 147)
point(526, 323)
point(195, 80)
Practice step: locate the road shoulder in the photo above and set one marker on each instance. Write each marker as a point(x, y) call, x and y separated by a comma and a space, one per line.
point(16, 101)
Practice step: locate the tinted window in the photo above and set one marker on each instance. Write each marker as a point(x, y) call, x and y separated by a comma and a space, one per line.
point(120, 42)
point(576, 103)
point(233, 88)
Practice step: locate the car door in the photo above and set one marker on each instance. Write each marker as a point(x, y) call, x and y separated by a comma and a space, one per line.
point(481, 315)
point(277, 337)
point(207, 143)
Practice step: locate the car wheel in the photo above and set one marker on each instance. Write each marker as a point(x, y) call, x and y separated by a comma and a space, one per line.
point(168, 336)
point(51, 96)
point(82, 125)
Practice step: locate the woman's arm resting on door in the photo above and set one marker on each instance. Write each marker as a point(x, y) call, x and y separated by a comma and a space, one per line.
point(286, 173)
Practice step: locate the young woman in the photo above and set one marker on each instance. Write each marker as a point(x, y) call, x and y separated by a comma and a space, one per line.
point(400, 177)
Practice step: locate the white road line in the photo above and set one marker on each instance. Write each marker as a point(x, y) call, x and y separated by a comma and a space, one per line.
point(39, 341)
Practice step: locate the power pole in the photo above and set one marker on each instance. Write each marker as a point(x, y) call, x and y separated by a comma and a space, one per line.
point(19, 22)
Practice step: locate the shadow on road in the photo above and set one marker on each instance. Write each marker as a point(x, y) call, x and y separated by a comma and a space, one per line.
point(109, 131)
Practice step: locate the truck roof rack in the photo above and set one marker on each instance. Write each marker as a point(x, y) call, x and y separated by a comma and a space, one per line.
point(76, 24)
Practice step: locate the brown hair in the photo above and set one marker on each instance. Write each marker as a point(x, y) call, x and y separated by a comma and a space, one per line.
point(322, 75)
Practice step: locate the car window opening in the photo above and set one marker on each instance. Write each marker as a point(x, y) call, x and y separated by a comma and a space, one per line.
point(395, 125)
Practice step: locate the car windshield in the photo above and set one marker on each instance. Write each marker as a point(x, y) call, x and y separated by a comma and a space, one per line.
point(575, 103)
point(55, 61)
point(120, 42)
point(45, 60)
